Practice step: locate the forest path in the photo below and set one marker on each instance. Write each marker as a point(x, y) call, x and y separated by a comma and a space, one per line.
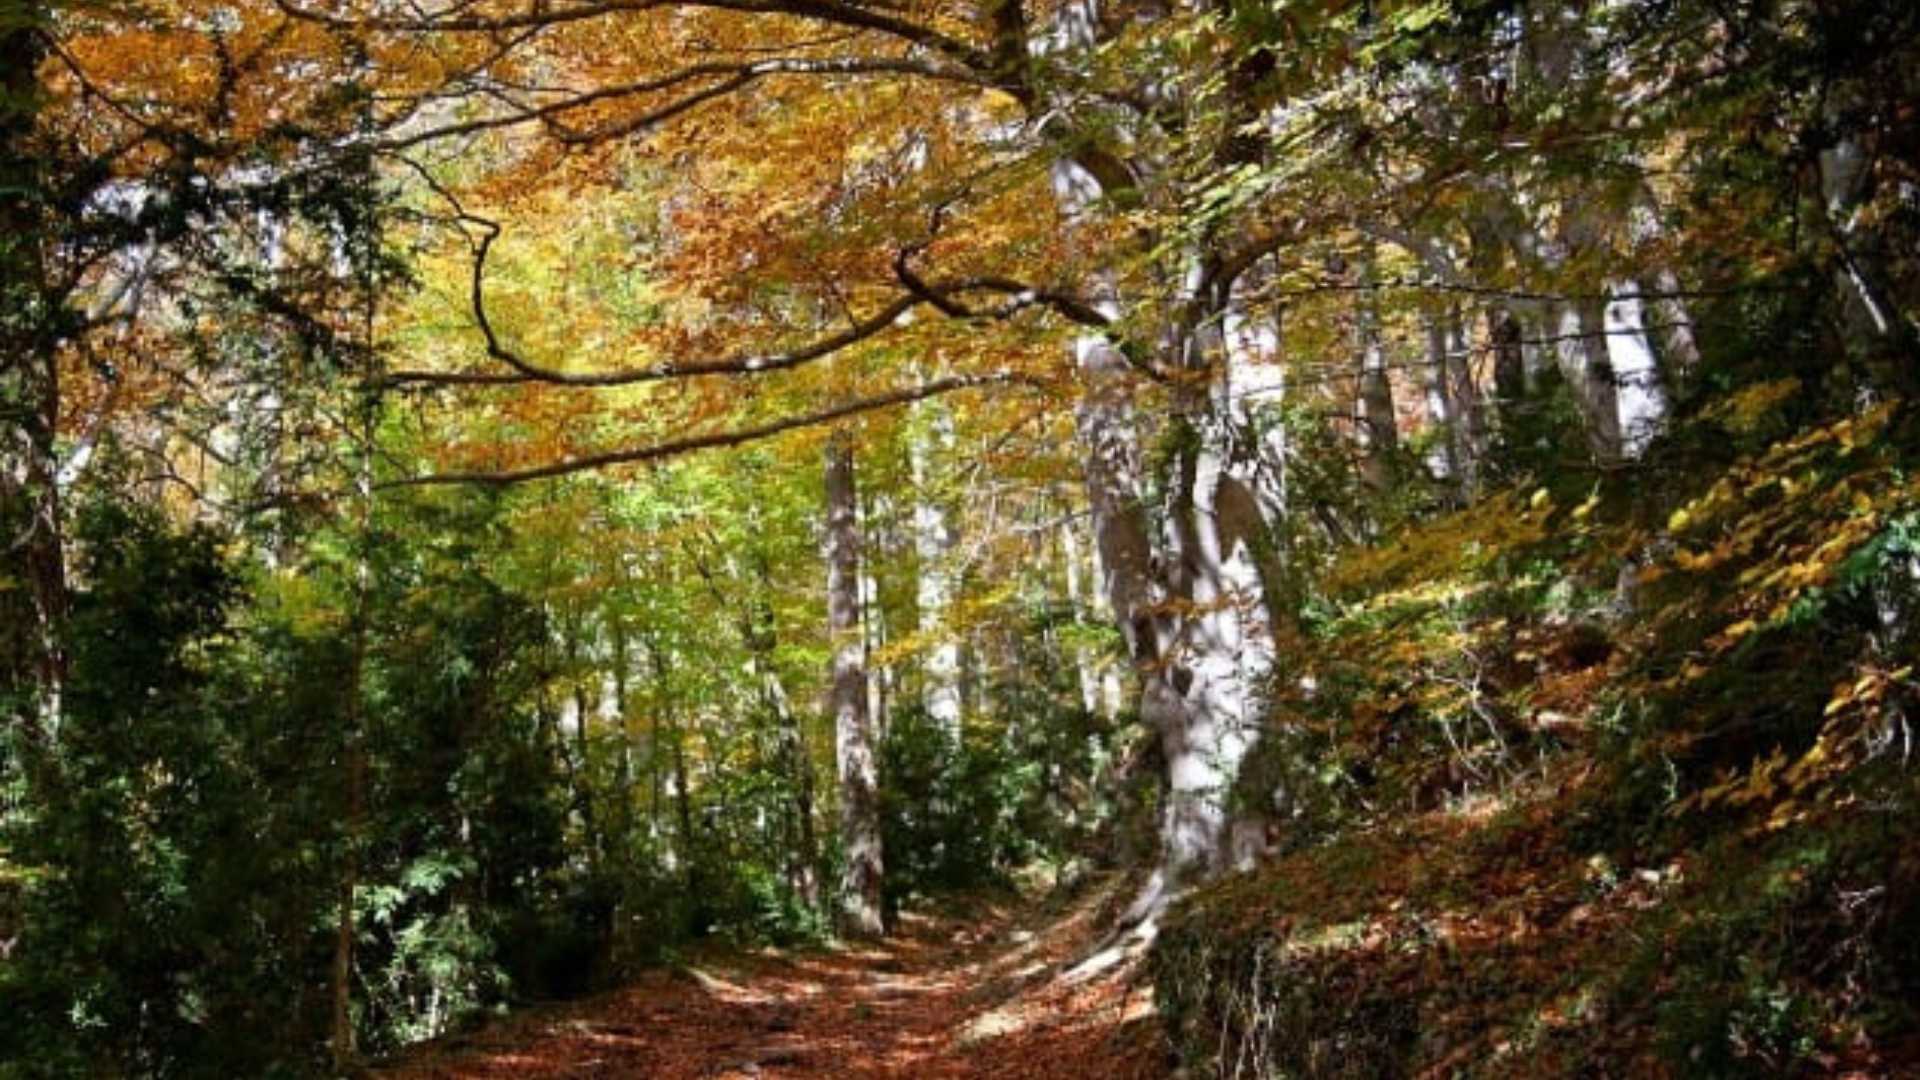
point(980, 994)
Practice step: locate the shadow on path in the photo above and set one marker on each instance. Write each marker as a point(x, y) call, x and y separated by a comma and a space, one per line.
point(985, 995)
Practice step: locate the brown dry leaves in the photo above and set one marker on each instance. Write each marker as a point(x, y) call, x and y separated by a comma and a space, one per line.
point(944, 998)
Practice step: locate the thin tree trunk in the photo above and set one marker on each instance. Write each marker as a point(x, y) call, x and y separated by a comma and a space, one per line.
point(353, 737)
point(1470, 426)
point(1083, 659)
point(682, 784)
point(1373, 407)
point(622, 841)
point(796, 759)
point(870, 527)
point(1443, 412)
point(854, 744)
point(582, 740)
point(1505, 333)
point(1870, 319)
point(933, 542)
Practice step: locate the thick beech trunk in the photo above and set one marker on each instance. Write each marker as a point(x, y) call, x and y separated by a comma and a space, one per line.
point(1189, 602)
point(854, 743)
point(1640, 390)
point(1580, 329)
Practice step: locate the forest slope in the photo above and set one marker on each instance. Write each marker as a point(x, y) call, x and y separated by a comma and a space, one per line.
point(1603, 783)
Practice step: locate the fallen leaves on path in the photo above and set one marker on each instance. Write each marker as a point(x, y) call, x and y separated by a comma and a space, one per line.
point(946, 997)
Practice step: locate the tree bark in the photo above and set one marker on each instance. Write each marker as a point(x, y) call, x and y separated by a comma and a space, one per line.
point(1373, 407)
point(1640, 390)
point(796, 759)
point(1189, 609)
point(1443, 411)
point(1083, 659)
point(1580, 327)
point(933, 542)
point(31, 517)
point(1870, 319)
point(854, 744)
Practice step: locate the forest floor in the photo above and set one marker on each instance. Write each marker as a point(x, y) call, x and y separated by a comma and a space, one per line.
point(996, 990)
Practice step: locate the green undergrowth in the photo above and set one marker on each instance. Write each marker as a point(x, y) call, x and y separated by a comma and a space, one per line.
point(1597, 778)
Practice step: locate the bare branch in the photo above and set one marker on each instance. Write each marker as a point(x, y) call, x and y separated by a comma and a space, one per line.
point(732, 76)
point(828, 12)
point(714, 440)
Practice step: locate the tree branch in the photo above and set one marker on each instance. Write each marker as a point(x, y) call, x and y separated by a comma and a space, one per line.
point(830, 12)
point(714, 440)
point(920, 292)
point(733, 75)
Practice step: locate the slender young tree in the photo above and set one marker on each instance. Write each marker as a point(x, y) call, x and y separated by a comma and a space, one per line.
point(855, 750)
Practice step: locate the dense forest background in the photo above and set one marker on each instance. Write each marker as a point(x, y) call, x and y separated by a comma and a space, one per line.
point(1423, 491)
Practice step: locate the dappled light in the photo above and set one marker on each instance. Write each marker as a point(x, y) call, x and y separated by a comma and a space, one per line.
point(981, 995)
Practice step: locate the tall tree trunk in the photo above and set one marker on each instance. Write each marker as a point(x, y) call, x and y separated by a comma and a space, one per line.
point(1443, 411)
point(1189, 614)
point(1470, 428)
point(1871, 321)
point(1505, 332)
point(854, 744)
point(795, 758)
point(581, 709)
point(353, 740)
point(933, 542)
point(682, 781)
point(1083, 658)
point(31, 520)
point(620, 842)
point(1373, 405)
point(870, 526)
point(1640, 391)
point(1580, 330)
point(1679, 348)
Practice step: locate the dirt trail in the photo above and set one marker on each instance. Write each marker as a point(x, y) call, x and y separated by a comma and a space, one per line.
point(984, 995)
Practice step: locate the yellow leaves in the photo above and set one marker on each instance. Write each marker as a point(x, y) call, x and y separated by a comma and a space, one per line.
point(1867, 691)
point(1435, 551)
point(1789, 789)
point(1585, 510)
point(1744, 412)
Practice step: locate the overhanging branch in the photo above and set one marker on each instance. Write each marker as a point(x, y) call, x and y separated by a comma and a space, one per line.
point(828, 12)
point(714, 440)
point(920, 292)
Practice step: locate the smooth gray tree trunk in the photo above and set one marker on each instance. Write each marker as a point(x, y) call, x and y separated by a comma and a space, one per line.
point(934, 537)
point(854, 742)
point(1374, 412)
